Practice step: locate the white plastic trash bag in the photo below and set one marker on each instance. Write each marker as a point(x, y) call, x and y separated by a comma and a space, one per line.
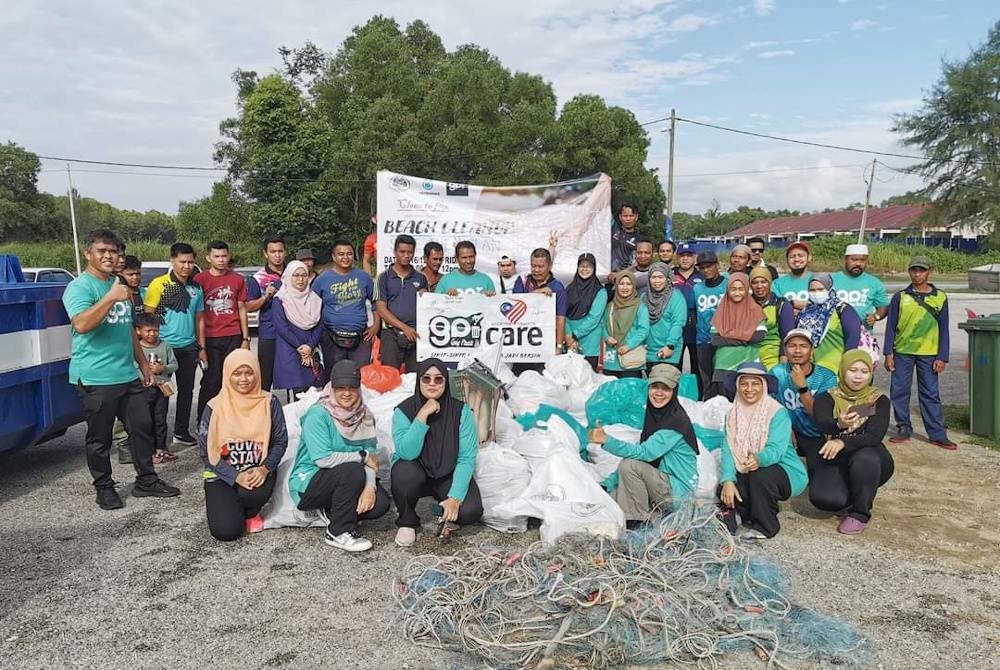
point(570, 370)
point(605, 463)
point(508, 431)
point(531, 390)
point(382, 407)
point(502, 475)
point(567, 499)
point(280, 510)
point(538, 443)
point(713, 412)
point(708, 472)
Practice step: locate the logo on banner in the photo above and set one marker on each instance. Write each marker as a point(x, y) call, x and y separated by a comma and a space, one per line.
point(457, 189)
point(427, 185)
point(400, 183)
point(514, 310)
point(457, 331)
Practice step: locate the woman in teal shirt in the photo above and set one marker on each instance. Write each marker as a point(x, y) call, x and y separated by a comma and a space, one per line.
point(663, 465)
point(667, 315)
point(624, 327)
point(337, 460)
point(759, 463)
point(586, 301)
point(436, 445)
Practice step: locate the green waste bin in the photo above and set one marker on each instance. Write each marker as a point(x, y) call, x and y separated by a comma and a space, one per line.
point(984, 374)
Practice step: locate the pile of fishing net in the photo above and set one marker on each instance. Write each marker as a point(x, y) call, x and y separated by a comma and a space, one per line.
point(681, 591)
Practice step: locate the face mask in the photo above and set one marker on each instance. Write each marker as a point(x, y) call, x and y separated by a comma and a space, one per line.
point(819, 297)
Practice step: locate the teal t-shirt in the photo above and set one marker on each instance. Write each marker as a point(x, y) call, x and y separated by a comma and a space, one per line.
point(103, 356)
point(819, 381)
point(864, 293)
point(792, 288)
point(477, 282)
point(706, 301)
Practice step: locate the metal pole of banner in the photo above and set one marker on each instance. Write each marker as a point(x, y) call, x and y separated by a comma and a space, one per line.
point(72, 218)
point(868, 197)
point(668, 225)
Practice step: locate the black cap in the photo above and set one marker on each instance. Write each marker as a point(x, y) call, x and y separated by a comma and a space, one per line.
point(345, 373)
point(686, 248)
point(707, 258)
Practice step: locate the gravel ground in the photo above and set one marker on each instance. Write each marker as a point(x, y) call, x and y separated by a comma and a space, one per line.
point(147, 586)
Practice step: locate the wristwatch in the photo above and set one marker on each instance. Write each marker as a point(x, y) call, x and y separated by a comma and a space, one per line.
point(803, 389)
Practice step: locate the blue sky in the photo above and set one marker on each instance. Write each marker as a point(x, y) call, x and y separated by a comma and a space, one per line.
point(148, 81)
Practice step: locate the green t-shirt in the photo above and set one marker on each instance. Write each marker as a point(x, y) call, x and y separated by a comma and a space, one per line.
point(103, 356)
point(790, 287)
point(864, 293)
point(477, 282)
point(917, 331)
point(730, 357)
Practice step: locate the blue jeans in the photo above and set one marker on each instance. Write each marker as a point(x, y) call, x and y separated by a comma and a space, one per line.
point(927, 392)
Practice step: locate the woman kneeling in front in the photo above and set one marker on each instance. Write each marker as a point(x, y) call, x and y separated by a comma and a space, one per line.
point(853, 463)
point(337, 460)
point(241, 439)
point(436, 446)
point(759, 463)
point(664, 463)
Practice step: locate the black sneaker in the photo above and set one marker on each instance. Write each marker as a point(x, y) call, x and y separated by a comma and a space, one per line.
point(158, 489)
point(185, 438)
point(108, 498)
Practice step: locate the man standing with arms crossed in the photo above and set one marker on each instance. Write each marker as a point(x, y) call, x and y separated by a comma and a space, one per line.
point(225, 315)
point(110, 372)
point(180, 304)
point(623, 234)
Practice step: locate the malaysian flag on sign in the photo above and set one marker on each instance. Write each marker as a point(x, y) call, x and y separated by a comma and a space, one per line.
point(514, 310)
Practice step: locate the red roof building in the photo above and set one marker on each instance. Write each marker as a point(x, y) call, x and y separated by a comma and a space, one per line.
point(883, 222)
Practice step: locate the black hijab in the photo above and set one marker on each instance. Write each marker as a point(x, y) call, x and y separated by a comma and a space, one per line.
point(669, 417)
point(440, 453)
point(580, 292)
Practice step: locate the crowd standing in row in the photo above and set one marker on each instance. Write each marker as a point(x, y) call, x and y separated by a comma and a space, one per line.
point(795, 352)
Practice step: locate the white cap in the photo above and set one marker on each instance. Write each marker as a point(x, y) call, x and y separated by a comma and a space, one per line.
point(797, 332)
point(856, 250)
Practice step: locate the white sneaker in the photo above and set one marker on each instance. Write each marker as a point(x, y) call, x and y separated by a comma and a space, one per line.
point(752, 534)
point(405, 537)
point(347, 542)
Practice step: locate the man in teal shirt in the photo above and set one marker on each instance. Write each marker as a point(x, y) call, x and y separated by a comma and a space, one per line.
point(861, 290)
point(110, 372)
point(466, 279)
point(794, 286)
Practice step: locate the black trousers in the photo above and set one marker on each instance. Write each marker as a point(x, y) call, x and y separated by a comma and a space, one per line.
point(187, 363)
point(217, 348)
point(593, 362)
point(391, 353)
point(130, 403)
point(336, 492)
point(332, 352)
point(761, 490)
point(228, 507)
point(706, 369)
point(158, 405)
point(410, 483)
point(849, 481)
point(265, 356)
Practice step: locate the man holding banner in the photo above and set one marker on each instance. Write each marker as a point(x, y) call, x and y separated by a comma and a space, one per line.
point(398, 288)
point(465, 278)
point(541, 280)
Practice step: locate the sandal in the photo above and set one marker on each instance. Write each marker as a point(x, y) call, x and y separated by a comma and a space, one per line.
point(168, 456)
point(158, 459)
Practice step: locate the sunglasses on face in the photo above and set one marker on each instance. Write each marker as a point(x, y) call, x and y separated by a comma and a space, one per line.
point(432, 380)
point(757, 251)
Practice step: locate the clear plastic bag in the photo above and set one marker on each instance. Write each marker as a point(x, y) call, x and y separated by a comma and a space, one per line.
point(502, 475)
point(531, 390)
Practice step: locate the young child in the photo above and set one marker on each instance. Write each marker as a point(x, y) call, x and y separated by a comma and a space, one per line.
point(163, 364)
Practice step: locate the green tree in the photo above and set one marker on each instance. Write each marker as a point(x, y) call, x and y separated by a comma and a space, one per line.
point(958, 130)
point(25, 214)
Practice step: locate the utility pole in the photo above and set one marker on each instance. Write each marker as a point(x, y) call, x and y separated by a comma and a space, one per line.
point(868, 197)
point(668, 225)
point(72, 218)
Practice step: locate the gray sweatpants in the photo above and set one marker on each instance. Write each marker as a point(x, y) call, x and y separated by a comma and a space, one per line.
point(641, 487)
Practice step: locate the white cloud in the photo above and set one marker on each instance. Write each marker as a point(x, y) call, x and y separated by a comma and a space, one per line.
point(776, 54)
point(863, 24)
point(763, 7)
point(687, 23)
point(759, 45)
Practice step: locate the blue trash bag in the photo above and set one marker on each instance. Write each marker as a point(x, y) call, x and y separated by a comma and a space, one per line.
point(620, 401)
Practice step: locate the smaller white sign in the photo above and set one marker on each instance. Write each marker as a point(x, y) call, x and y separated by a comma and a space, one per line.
point(452, 326)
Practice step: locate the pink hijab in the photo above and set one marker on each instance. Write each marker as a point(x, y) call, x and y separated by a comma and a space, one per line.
point(748, 425)
point(302, 308)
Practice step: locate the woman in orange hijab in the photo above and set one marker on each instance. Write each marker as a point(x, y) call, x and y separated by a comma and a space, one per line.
point(241, 439)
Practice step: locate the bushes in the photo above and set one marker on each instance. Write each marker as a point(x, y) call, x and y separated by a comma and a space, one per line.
point(60, 254)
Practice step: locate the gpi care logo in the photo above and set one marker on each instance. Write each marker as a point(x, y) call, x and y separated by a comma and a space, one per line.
point(468, 331)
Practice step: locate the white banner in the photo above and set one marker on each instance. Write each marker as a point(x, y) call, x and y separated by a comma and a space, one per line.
point(568, 218)
point(452, 326)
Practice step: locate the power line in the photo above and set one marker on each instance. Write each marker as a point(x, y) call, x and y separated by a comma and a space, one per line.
point(768, 171)
point(135, 165)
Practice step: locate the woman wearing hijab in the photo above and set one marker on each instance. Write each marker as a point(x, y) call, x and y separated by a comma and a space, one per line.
point(436, 445)
point(737, 330)
point(296, 315)
point(625, 326)
point(586, 301)
point(759, 463)
point(834, 325)
point(667, 315)
point(779, 316)
point(664, 463)
point(846, 472)
point(241, 439)
point(337, 460)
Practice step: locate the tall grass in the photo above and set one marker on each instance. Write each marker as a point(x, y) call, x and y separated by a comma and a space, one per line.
point(60, 255)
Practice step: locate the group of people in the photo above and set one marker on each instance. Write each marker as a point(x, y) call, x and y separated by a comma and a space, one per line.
point(794, 352)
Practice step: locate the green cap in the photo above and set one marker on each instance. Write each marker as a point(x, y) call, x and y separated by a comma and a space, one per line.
point(920, 262)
